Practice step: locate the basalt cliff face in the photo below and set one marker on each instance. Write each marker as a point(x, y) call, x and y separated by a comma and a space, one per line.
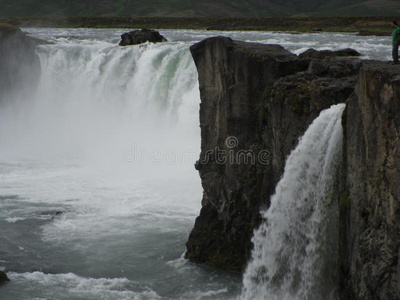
point(257, 100)
point(369, 205)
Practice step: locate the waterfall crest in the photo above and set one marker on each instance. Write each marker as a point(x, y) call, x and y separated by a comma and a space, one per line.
point(295, 248)
point(95, 101)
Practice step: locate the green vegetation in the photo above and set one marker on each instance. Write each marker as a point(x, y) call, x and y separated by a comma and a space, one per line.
point(299, 24)
point(4, 27)
point(345, 202)
point(196, 8)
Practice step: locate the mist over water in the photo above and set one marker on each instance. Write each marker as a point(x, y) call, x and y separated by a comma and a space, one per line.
point(98, 192)
point(95, 100)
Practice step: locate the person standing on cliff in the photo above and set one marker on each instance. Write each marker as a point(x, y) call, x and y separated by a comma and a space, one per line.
point(395, 42)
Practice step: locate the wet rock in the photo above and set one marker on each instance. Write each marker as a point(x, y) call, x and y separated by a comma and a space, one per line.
point(336, 67)
point(52, 213)
point(322, 54)
point(255, 98)
point(370, 204)
point(3, 278)
point(141, 36)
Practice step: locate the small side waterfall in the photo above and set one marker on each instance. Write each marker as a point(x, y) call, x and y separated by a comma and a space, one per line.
point(295, 248)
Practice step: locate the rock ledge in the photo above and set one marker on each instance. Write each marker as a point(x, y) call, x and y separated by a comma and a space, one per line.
point(141, 36)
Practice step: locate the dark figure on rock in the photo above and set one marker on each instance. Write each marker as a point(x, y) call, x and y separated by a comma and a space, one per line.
point(395, 42)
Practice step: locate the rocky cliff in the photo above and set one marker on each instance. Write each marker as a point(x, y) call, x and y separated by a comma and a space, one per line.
point(19, 63)
point(256, 101)
point(370, 212)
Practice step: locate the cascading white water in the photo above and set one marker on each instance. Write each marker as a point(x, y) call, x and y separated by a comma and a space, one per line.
point(109, 138)
point(295, 248)
point(96, 100)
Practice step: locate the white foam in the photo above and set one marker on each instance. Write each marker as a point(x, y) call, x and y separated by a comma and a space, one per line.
point(180, 264)
point(76, 286)
point(15, 219)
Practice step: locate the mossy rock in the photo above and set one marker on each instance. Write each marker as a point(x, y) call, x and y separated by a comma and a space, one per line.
point(4, 27)
point(345, 202)
point(232, 261)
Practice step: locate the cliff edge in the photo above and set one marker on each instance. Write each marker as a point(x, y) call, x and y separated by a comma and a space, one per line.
point(369, 205)
point(256, 101)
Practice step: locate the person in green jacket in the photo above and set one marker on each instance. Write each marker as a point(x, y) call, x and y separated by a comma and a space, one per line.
point(395, 42)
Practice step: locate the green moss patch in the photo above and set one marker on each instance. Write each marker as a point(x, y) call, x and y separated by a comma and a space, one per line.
point(345, 202)
point(4, 27)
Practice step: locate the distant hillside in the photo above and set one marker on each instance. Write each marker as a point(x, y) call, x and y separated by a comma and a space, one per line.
point(199, 8)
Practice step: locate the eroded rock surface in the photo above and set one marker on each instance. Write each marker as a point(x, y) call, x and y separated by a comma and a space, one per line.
point(370, 200)
point(141, 36)
point(256, 101)
point(322, 54)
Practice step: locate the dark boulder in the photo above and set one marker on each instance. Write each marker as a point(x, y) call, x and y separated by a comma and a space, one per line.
point(51, 214)
point(141, 36)
point(323, 54)
point(336, 67)
point(3, 278)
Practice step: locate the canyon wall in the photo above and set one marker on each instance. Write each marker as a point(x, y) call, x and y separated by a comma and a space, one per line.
point(256, 101)
point(369, 204)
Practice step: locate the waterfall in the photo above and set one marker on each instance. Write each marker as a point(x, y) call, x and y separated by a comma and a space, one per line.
point(97, 185)
point(96, 101)
point(295, 248)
